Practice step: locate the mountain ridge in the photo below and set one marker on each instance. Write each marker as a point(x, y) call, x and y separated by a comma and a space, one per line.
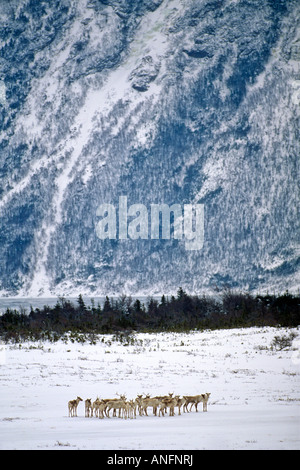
point(163, 102)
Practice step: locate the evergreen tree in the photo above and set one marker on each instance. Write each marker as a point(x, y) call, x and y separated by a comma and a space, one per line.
point(107, 305)
point(137, 306)
point(181, 294)
point(81, 304)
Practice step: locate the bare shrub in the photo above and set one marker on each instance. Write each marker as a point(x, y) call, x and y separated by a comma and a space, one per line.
point(282, 342)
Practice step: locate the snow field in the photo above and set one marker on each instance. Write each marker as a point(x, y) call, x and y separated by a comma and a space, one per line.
point(254, 402)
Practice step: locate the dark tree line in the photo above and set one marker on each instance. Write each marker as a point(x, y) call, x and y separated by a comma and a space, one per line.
point(182, 312)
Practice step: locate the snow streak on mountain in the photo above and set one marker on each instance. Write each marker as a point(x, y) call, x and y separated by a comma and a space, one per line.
point(161, 101)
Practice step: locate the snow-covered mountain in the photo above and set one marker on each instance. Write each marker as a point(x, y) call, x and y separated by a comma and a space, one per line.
point(161, 101)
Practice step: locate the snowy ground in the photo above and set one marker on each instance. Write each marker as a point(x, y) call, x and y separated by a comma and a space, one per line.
point(254, 401)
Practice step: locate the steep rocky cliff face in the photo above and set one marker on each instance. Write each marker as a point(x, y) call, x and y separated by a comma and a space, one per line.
point(161, 101)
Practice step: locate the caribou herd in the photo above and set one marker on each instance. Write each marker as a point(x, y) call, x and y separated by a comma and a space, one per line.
point(124, 408)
